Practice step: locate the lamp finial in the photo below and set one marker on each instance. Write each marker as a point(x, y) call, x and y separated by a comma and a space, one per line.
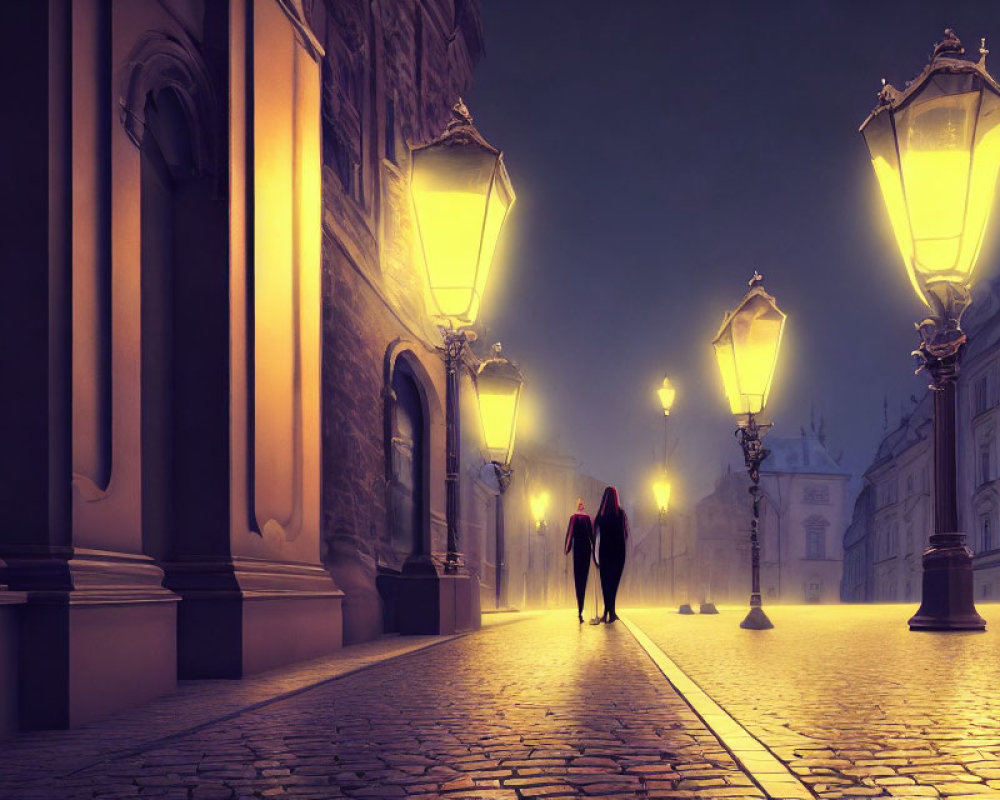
point(459, 115)
point(949, 46)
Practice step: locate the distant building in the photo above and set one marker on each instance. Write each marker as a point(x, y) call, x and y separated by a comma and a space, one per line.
point(803, 496)
point(978, 423)
point(858, 583)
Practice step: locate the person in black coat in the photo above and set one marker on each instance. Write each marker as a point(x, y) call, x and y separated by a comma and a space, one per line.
point(580, 539)
point(611, 527)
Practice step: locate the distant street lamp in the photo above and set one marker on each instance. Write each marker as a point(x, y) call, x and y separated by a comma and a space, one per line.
point(539, 505)
point(661, 493)
point(498, 388)
point(746, 348)
point(667, 394)
point(935, 147)
point(461, 197)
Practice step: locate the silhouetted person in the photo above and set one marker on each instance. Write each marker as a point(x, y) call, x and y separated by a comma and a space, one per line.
point(580, 539)
point(611, 527)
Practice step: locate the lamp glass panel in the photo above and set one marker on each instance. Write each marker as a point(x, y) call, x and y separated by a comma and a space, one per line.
point(499, 203)
point(727, 368)
point(982, 182)
point(451, 188)
point(754, 336)
point(935, 138)
point(498, 401)
point(661, 492)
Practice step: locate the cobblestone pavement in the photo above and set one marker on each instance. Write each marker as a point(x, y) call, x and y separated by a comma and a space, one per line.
point(851, 700)
point(540, 708)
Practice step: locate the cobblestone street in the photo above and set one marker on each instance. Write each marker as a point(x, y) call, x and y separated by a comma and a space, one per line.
point(846, 698)
point(537, 708)
point(851, 700)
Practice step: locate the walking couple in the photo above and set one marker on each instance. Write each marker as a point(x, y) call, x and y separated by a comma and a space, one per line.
point(604, 541)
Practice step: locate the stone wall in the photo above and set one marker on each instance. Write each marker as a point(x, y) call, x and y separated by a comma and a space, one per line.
point(392, 71)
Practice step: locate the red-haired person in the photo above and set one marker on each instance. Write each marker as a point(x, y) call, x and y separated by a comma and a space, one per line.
point(580, 539)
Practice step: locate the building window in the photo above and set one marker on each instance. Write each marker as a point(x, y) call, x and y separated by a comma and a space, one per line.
point(986, 528)
point(816, 537)
point(979, 396)
point(984, 464)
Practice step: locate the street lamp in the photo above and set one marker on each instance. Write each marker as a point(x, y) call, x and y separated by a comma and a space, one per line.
point(746, 348)
point(935, 147)
point(461, 197)
point(661, 493)
point(539, 505)
point(498, 388)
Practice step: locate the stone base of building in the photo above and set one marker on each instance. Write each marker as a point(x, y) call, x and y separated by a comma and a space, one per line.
point(241, 616)
point(429, 601)
point(11, 605)
point(96, 634)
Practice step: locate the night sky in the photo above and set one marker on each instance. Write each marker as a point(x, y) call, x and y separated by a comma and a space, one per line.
point(661, 151)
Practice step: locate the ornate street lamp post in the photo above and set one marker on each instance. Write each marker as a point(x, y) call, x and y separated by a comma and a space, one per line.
point(935, 147)
point(666, 393)
point(461, 197)
point(498, 388)
point(661, 493)
point(746, 348)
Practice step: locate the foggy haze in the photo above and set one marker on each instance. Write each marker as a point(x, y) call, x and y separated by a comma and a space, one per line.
point(660, 153)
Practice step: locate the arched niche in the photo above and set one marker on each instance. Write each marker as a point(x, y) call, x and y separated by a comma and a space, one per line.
point(168, 111)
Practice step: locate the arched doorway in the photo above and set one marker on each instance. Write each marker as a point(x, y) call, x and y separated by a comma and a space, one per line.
point(407, 453)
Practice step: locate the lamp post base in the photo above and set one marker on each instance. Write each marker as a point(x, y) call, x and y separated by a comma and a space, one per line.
point(756, 620)
point(946, 598)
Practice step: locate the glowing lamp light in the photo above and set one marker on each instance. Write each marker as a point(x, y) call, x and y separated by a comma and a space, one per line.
point(667, 393)
point(746, 348)
point(539, 505)
point(661, 492)
point(461, 196)
point(498, 386)
point(935, 147)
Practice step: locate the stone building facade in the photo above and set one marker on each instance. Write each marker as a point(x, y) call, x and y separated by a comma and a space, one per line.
point(229, 435)
point(392, 73)
point(802, 512)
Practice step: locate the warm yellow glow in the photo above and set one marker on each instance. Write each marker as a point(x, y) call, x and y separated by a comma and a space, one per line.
point(940, 194)
point(498, 388)
point(661, 492)
point(499, 416)
point(667, 393)
point(461, 196)
point(539, 505)
point(747, 351)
